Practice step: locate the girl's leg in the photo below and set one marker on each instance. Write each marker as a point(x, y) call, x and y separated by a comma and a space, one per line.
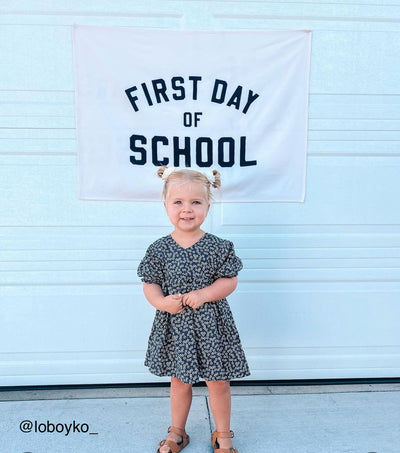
point(181, 400)
point(220, 404)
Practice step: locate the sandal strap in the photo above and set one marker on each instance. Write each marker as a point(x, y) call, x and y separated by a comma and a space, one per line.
point(181, 432)
point(174, 446)
point(224, 434)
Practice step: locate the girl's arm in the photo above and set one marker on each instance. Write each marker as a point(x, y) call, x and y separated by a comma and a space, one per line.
point(220, 289)
point(171, 304)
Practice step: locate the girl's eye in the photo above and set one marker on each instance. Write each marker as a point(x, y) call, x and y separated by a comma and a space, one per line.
point(178, 202)
point(196, 202)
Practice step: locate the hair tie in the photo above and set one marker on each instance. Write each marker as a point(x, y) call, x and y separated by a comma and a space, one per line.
point(210, 176)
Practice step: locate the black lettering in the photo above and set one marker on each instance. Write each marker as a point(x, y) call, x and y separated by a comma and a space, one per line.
point(235, 99)
point(219, 99)
point(250, 99)
point(136, 149)
point(185, 151)
point(174, 82)
point(194, 79)
point(231, 152)
point(132, 99)
point(147, 94)
point(160, 88)
point(187, 119)
point(243, 161)
point(197, 116)
point(199, 151)
point(154, 150)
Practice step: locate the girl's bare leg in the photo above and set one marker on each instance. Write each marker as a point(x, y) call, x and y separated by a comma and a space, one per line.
point(181, 400)
point(220, 404)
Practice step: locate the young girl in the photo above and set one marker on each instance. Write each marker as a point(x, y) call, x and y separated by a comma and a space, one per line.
point(187, 276)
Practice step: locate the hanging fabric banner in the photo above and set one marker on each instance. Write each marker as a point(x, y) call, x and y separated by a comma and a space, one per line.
point(235, 101)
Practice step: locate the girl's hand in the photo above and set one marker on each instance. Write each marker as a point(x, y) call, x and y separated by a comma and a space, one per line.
point(173, 304)
point(193, 299)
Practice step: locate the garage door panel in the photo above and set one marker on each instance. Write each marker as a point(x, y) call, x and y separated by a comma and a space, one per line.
point(315, 363)
point(348, 183)
point(340, 190)
point(328, 318)
point(308, 333)
point(78, 322)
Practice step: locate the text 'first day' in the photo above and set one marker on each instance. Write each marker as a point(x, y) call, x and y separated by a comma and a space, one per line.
point(158, 91)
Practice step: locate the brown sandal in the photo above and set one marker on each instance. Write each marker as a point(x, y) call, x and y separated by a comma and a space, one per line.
point(222, 435)
point(175, 446)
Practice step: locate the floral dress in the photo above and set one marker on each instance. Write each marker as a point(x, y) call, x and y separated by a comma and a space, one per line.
point(202, 343)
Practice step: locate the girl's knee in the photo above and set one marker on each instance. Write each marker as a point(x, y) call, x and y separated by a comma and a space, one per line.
point(218, 386)
point(177, 383)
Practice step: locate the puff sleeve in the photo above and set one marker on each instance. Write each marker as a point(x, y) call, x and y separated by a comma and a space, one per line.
point(230, 264)
point(151, 268)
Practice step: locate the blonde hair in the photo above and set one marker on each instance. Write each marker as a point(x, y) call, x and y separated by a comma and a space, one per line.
point(185, 174)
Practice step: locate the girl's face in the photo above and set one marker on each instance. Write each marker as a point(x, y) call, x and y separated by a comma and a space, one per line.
point(187, 205)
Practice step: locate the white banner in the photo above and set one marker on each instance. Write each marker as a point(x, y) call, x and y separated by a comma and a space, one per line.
point(235, 101)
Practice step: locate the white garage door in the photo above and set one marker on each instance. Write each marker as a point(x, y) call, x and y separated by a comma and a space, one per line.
point(319, 296)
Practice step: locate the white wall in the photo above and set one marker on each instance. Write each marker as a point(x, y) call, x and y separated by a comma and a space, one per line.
point(320, 293)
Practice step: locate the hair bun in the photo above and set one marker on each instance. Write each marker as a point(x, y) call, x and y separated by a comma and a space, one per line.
point(217, 179)
point(160, 171)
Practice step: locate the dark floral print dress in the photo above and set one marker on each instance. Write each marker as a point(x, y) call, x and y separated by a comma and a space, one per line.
point(202, 343)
